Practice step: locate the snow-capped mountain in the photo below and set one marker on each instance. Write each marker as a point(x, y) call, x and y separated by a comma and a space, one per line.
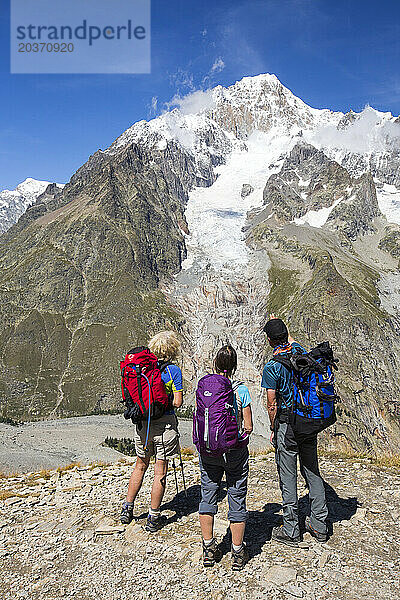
point(254, 104)
point(13, 203)
point(243, 132)
point(237, 202)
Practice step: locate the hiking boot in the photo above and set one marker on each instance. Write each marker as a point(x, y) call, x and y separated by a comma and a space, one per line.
point(153, 524)
point(279, 535)
point(126, 515)
point(211, 554)
point(239, 558)
point(320, 537)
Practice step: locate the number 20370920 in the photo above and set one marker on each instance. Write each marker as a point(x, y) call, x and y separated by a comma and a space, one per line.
point(45, 47)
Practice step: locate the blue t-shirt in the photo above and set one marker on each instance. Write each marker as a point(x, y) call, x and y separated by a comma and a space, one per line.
point(277, 377)
point(242, 398)
point(172, 378)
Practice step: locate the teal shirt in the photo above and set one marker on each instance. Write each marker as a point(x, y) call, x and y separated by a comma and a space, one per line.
point(241, 399)
point(277, 377)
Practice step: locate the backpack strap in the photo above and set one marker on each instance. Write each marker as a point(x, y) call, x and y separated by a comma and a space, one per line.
point(289, 362)
point(236, 384)
point(162, 368)
point(139, 384)
point(285, 361)
point(164, 365)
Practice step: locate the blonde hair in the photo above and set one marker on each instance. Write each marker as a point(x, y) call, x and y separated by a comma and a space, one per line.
point(165, 345)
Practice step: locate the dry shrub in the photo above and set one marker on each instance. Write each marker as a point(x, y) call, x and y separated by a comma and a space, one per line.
point(42, 474)
point(4, 475)
point(4, 494)
point(261, 451)
point(98, 463)
point(387, 460)
point(68, 467)
point(187, 452)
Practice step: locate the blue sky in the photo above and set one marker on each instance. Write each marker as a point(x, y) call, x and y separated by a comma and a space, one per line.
point(338, 54)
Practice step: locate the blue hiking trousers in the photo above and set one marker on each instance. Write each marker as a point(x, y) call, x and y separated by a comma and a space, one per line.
point(235, 464)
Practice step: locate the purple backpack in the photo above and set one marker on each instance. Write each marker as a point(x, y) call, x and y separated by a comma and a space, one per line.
point(215, 428)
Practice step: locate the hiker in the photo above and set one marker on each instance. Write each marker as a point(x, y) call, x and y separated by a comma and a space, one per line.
point(222, 423)
point(294, 427)
point(159, 436)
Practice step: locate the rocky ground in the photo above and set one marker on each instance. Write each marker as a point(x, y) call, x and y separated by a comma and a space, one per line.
point(60, 538)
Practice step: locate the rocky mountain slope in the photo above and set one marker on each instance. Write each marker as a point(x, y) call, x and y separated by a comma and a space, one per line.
point(13, 203)
point(60, 538)
point(242, 201)
point(325, 282)
point(79, 279)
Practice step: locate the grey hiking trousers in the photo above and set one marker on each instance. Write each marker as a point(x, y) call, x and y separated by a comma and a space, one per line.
point(286, 454)
point(235, 465)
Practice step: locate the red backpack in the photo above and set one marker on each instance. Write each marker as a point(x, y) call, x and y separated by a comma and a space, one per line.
point(143, 390)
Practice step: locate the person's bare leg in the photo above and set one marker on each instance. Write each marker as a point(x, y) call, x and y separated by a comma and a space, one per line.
point(207, 526)
point(237, 531)
point(136, 479)
point(159, 483)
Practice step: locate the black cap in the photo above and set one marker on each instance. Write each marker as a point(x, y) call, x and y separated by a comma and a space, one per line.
point(275, 328)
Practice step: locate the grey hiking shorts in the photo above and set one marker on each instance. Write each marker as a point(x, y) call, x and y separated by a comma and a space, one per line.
point(163, 439)
point(235, 463)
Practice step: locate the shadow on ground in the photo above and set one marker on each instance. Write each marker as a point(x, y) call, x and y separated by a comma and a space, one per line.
point(260, 522)
point(182, 504)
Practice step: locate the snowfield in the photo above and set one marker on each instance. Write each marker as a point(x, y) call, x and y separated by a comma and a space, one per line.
point(317, 218)
point(216, 215)
point(389, 202)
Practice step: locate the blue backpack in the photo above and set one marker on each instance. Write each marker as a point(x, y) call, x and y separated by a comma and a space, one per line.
point(314, 394)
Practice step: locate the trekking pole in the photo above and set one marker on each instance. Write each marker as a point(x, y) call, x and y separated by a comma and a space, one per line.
point(180, 459)
point(183, 473)
point(176, 479)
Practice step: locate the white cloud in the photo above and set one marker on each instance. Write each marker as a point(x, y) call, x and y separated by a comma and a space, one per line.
point(192, 103)
point(218, 66)
point(372, 130)
point(196, 100)
point(154, 103)
point(182, 79)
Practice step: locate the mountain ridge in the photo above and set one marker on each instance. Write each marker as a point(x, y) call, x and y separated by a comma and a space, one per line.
point(13, 203)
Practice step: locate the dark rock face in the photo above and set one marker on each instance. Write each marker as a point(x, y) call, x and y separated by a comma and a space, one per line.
point(247, 189)
point(80, 274)
point(347, 120)
point(354, 215)
point(308, 180)
point(390, 242)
